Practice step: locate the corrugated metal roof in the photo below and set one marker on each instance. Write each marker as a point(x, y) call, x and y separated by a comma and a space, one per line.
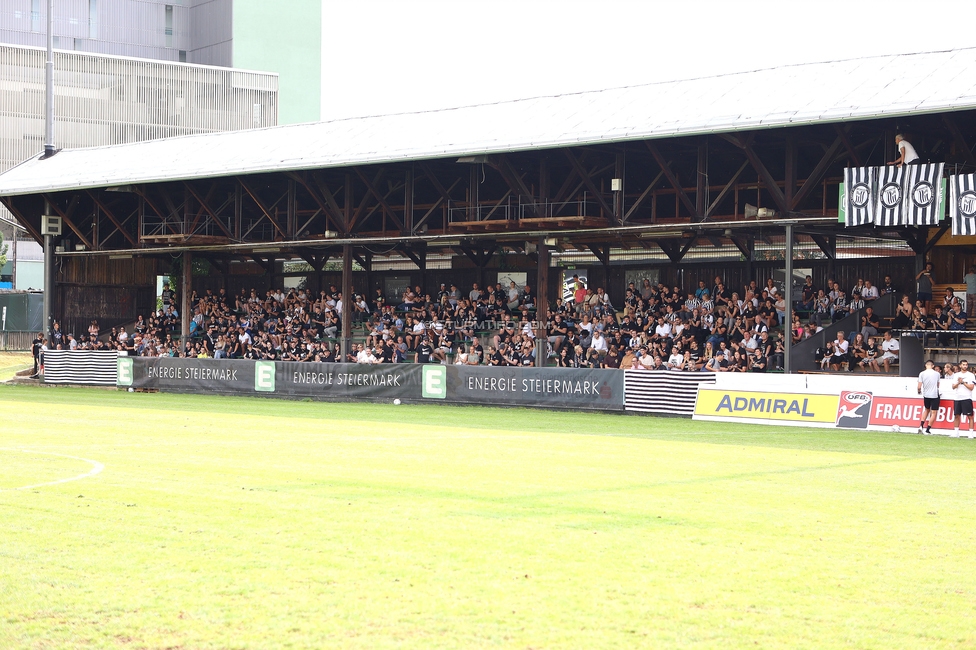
point(855, 89)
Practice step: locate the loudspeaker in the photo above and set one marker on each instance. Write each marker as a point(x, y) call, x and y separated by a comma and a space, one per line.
point(752, 212)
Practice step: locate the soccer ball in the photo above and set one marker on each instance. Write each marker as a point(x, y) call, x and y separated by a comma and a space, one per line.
point(131, 389)
point(895, 428)
point(397, 401)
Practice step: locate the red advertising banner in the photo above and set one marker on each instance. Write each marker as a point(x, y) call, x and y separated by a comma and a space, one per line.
point(905, 413)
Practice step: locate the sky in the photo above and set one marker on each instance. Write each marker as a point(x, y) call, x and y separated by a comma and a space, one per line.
point(388, 56)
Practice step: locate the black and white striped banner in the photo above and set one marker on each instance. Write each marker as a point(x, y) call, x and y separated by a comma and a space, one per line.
point(859, 195)
point(891, 188)
point(922, 188)
point(98, 368)
point(962, 204)
point(666, 392)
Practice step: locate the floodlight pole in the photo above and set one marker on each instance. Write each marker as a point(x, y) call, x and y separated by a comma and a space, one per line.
point(788, 291)
point(49, 84)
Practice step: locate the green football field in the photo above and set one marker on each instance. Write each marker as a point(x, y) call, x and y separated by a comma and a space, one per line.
point(165, 521)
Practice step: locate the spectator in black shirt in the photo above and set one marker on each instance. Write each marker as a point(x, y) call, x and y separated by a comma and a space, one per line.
point(36, 345)
point(425, 351)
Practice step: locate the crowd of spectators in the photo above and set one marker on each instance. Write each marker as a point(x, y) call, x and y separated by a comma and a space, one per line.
point(655, 327)
point(650, 327)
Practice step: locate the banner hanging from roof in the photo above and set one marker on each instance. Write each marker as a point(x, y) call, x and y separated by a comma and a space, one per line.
point(911, 195)
point(858, 196)
point(890, 207)
point(924, 194)
point(962, 204)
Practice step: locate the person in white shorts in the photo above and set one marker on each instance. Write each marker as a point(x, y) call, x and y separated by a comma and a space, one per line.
point(928, 388)
point(889, 349)
point(963, 383)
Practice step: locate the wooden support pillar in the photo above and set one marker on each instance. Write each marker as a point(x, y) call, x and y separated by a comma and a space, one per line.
point(291, 216)
point(542, 305)
point(347, 205)
point(474, 175)
point(788, 292)
point(408, 201)
point(890, 152)
point(347, 301)
point(832, 256)
point(701, 182)
point(238, 211)
point(750, 258)
point(790, 189)
point(619, 171)
point(185, 291)
point(544, 178)
point(270, 270)
point(422, 265)
point(367, 264)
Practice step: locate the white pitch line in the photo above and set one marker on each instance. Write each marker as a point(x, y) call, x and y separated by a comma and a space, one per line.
point(97, 467)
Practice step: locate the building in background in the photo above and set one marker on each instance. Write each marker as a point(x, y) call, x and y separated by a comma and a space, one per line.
point(104, 100)
point(124, 71)
point(283, 37)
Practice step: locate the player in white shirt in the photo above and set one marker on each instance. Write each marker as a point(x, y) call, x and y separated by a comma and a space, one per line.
point(963, 383)
point(928, 388)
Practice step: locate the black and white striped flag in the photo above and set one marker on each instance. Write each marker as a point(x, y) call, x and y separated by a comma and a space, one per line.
point(962, 204)
point(922, 183)
point(891, 194)
point(859, 195)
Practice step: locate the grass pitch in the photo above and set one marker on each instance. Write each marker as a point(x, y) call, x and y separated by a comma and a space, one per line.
point(236, 523)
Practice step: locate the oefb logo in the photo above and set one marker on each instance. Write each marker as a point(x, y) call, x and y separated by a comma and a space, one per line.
point(891, 195)
point(923, 194)
point(860, 194)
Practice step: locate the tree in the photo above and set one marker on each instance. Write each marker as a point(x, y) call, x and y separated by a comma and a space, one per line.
point(3, 251)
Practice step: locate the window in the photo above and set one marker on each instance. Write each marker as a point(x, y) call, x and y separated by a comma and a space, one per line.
point(169, 25)
point(182, 56)
point(92, 18)
point(35, 15)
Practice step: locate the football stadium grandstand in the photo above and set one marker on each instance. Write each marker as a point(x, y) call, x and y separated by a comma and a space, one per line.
point(463, 312)
point(680, 225)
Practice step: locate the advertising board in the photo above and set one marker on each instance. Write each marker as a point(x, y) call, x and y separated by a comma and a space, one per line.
point(572, 388)
point(896, 408)
point(801, 409)
point(586, 389)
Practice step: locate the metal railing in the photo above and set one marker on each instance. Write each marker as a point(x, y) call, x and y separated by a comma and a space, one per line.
point(512, 207)
point(154, 226)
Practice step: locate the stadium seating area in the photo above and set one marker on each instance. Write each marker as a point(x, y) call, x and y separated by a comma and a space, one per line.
point(653, 327)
